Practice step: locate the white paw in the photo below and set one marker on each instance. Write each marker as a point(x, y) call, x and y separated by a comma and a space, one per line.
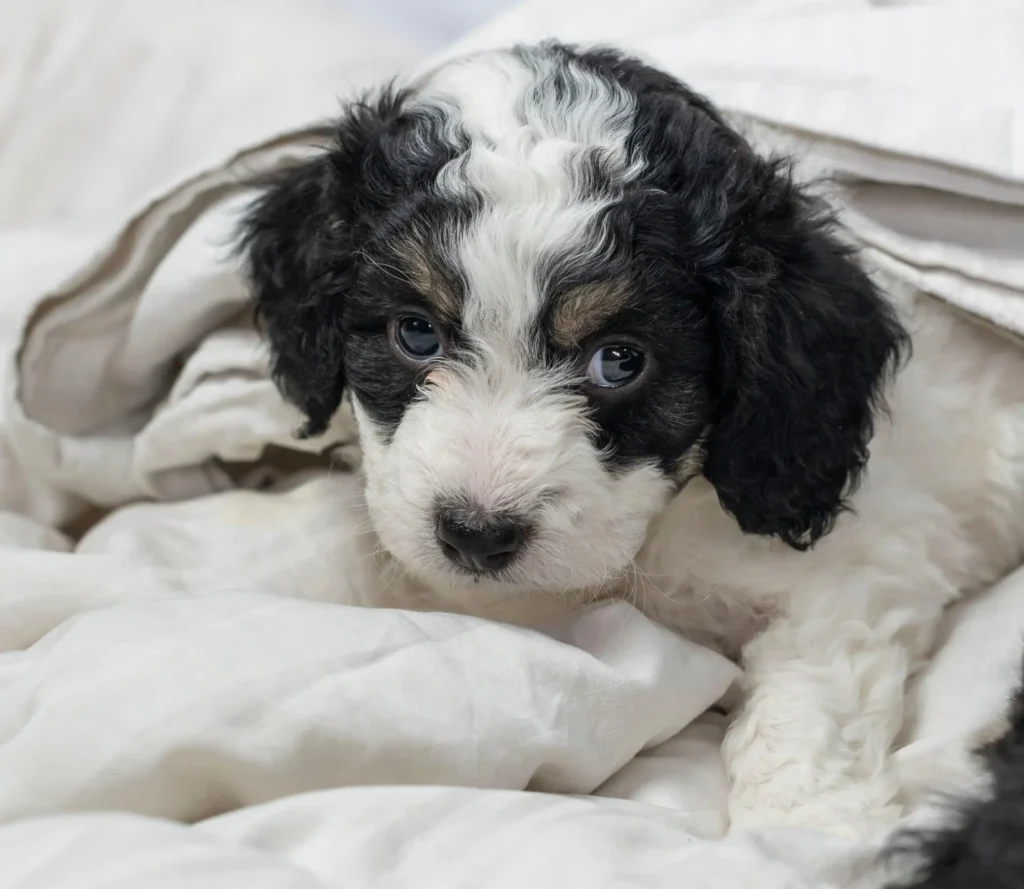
point(851, 815)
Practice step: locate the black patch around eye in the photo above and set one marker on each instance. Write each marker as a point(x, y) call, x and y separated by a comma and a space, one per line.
point(660, 428)
point(660, 422)
point(666, 413)
point(380, 380)
point(384, 386)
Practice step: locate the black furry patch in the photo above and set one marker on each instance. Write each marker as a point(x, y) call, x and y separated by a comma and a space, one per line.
point(323, 307)
point(983, 848)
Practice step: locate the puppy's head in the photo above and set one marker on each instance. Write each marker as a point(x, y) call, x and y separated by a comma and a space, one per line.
point(557, 286)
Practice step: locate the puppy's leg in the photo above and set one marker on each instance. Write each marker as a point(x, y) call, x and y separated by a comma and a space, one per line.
point(810, 745)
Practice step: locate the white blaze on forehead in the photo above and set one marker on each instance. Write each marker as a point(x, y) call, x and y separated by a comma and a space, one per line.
point(530, 123)
point(498, 93)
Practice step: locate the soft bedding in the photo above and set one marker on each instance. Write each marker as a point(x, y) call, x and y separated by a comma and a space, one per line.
point(189, 692)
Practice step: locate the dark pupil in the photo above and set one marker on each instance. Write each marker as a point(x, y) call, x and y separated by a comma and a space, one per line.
point(418, 337)
point(620, 363)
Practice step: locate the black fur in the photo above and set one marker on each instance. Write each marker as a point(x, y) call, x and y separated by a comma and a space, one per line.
point(297, 291)
point(766, 338)
point(805, 342)
point(304, 238)
point(983, 848)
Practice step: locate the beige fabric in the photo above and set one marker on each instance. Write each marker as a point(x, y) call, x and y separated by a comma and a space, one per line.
point(105, 101)
point(186, 654)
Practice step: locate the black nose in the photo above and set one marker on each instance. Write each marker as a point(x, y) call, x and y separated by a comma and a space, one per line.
point(478, 541)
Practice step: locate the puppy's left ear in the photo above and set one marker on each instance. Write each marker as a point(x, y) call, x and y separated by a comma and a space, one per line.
point(805, 344)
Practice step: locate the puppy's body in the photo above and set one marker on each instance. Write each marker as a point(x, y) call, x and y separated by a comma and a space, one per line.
point(829, 636)
point(596, 346)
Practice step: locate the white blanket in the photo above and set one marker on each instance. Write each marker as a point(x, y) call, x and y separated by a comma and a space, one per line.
point(183, 700)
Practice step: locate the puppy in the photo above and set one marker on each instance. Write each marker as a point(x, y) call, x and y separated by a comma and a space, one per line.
point(596, 346)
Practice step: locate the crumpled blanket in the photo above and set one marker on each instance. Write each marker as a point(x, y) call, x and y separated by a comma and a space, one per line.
point(188, 696)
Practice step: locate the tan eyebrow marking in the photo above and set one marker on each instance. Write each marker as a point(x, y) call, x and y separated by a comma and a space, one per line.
point(583, 310)
point(429, 283)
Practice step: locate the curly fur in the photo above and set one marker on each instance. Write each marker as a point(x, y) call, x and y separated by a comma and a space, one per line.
point(802, 332)
point(750, 490)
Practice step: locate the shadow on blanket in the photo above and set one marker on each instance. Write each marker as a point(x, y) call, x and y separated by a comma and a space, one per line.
point(983, 848)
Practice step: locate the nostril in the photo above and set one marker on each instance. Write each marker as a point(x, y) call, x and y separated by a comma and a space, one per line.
point(449, 550)
point(481, 542)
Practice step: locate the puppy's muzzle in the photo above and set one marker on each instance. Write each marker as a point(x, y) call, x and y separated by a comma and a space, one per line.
point(479, 542)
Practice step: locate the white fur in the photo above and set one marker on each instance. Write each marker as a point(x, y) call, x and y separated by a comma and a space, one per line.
point(827, 637)
point(522, 164)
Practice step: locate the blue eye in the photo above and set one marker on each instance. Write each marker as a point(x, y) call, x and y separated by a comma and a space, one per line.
point(615, 366)
point(417, 338)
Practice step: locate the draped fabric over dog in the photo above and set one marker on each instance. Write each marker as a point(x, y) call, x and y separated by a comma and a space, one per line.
point(182, 700)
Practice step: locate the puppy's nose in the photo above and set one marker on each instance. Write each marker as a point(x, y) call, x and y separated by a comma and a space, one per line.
point(479, 542)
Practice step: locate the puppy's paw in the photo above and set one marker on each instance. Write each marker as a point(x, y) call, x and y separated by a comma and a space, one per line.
point(851, 814)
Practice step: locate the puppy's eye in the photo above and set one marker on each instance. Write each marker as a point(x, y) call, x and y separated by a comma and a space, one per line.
point(615, 366)
point(416, 338)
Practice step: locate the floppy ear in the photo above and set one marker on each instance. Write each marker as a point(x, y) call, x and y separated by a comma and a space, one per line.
point(298, 238)
point(298, 274)
point(805, 342)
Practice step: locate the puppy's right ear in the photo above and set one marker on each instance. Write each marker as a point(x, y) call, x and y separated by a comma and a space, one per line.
point(298, 281)
point(298, 239)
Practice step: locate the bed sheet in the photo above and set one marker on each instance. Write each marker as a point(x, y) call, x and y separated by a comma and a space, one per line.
point(189, 692)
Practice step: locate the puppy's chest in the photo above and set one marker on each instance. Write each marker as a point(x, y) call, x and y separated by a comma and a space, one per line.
point(717, 615)
point(698, 575)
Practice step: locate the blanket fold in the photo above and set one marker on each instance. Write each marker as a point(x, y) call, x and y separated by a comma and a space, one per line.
point(181, 692)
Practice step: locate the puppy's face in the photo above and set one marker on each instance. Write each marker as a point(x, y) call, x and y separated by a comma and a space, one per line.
point(557, 286)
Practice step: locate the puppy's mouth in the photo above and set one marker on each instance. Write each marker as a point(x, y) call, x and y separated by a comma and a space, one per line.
point(514, 578)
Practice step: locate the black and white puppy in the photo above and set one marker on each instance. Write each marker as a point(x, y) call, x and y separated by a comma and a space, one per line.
point(598, 346)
